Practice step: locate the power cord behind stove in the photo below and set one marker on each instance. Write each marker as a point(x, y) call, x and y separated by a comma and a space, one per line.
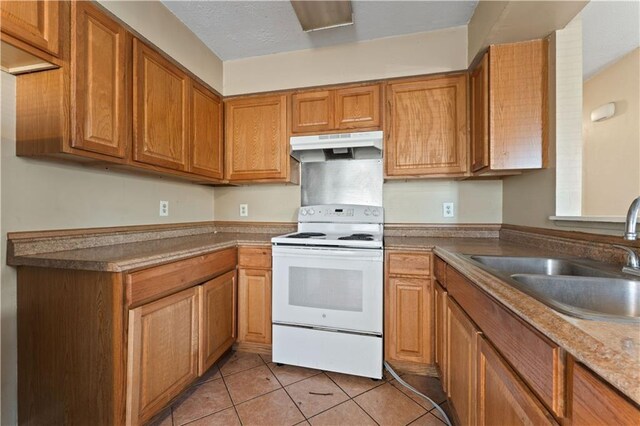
point(414, 390)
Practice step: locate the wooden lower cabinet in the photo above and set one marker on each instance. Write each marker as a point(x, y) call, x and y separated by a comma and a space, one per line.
point(441, 332)
point(593, 402)
point(503, 398)
point(217, 318)
point(254, 306)
point(462, 344)
point(163, 353)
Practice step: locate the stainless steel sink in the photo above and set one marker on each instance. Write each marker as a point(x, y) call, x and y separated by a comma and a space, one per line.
point(576, 287)
point(540, 265)
point(613, 299)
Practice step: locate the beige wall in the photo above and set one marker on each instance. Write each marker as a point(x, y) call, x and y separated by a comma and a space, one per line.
point(611, 172)
point(38, 194)
point(421, 53)
point(404, 202)
point(152, 19)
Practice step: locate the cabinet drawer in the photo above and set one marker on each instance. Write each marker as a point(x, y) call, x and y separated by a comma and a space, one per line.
point(404, 263)
point(254, 257)
point(150, 284)
point(533, 356)
point(439, 271)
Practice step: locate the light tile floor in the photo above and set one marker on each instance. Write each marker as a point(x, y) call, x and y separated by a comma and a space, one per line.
point(248, 389)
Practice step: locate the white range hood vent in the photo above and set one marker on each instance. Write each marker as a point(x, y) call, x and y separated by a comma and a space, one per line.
point(342, 146)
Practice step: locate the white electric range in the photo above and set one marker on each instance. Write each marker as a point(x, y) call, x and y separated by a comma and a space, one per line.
point(327, 299)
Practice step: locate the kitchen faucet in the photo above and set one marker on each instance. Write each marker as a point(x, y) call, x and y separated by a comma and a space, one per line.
point(633, 261)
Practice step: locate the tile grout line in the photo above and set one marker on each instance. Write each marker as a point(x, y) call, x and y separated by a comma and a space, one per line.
point(287, 393)
point(353, 398)
point(231, 399)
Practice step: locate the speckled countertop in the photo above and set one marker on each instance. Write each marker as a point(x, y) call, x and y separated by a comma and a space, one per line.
point(140, 254)
point(610, 349)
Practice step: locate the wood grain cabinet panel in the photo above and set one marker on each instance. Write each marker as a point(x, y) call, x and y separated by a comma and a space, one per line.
point(312, 111)
point(480, 114)
point(160, 110)
point(427, 127)
point(254, 306)
point(163, 353)
point(357, 107)
point(99, 81)
point(256, 139)
point(503, 398)
point(440, 334)
point(217, 318)
point(593, 402)
point(206, 147)
point(518, 105)
point(409, 320)
point(36, 23)
point(462, 344)
point(406, 263)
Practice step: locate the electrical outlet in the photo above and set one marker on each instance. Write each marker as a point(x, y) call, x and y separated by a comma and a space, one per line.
point(447, 210)
point(244, 210)
point(164, 208)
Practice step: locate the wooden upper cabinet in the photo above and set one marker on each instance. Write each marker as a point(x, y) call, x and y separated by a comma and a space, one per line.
point(206, 133)
point(217, 318)
point(163, 353)
point(36, 23)
point(357, 107)
point(100, 89)
point(160, 109)
point(480, 114)
point(593, 402)
point(503, 398)
point(256, 139)
point(518, 105)
point(312, 112)
point(427, 127)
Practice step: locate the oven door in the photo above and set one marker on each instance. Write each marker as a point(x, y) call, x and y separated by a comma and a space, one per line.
point(328, 288)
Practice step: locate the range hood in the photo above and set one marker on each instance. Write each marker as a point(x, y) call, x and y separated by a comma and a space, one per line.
point(342, 146)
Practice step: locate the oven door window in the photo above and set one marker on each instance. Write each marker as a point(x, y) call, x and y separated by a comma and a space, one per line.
point(335, 289)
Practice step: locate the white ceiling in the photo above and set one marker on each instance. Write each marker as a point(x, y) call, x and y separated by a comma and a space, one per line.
point(241, 29)
point(610, 29)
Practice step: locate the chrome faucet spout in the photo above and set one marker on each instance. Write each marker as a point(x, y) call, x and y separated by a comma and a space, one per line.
point(632, 218)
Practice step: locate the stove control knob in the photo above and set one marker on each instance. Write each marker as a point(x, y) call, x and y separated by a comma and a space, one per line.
point(303, 212)
point(376, 212)
point(367, 212)
point(311, 211)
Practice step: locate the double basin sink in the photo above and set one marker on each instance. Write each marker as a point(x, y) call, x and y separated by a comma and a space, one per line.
point(580, 288)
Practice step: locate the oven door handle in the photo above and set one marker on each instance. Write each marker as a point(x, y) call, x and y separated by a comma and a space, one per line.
point(327, 253)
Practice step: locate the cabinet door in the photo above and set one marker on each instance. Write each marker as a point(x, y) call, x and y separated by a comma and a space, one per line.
point(254, 306)
point(217, 318)
point(358, 107)
point(163, 353)
point(427, 127)
point(409, 320)
point(503, 398)
point(34, 22)
point(312, 112)
point(160, 110)
point(480, 115)
point(461, 357)
point(206, 132)
point(593, 402)
point(441, 331)
point(99, 82)
point(256, 139)
point(518, 105)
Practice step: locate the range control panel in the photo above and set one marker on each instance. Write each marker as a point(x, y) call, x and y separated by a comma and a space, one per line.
point(341, 213)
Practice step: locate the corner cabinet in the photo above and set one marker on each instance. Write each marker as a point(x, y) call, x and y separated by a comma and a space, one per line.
point(427, 127)
point(206, 155)
point(257, 140)
point(509, 108)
